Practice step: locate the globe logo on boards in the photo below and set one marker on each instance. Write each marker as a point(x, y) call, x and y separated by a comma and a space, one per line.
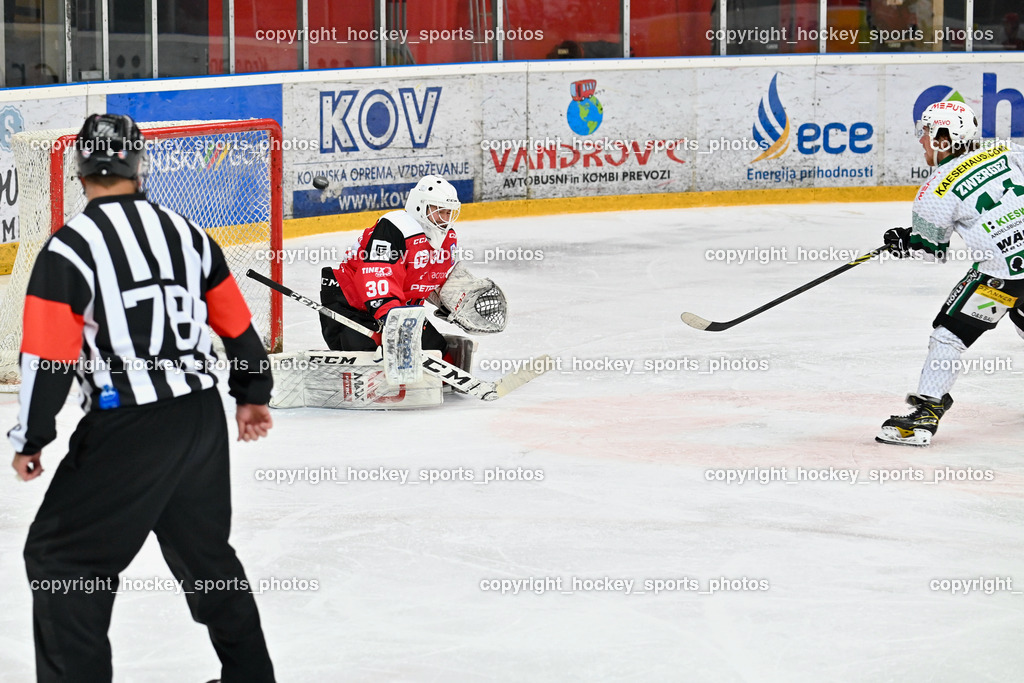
point(936, 93)
point(11, 122)
point(771, 127)
point(585, 112)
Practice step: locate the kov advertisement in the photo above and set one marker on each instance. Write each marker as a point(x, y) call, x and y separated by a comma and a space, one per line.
point(373, 140)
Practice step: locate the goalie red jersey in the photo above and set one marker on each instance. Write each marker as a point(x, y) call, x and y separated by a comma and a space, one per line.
point(406, 259)
point(394, 264)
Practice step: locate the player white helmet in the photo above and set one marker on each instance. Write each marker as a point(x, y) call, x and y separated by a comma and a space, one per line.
point(956, 117)
point(435, 205)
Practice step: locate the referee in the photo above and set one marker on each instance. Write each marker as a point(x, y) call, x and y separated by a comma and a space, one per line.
point(120, 297)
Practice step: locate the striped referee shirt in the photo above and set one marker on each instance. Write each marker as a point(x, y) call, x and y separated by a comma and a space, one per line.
point(120, 298)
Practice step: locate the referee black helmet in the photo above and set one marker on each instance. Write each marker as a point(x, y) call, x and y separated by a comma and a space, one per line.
point(110, 145)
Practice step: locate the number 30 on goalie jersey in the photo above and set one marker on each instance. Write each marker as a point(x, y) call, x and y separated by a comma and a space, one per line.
point(393, 265)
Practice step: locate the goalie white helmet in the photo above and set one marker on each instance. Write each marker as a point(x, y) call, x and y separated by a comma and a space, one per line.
point(435, 205)
point(955, 117)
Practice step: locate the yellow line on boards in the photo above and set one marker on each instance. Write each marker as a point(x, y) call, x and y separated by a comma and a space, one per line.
point(8, 250)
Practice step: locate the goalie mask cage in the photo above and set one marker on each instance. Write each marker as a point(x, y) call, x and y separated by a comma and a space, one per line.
point(225, 177)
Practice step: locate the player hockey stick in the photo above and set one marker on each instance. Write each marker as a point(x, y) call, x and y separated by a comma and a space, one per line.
point(446, 372)
point(700, 323)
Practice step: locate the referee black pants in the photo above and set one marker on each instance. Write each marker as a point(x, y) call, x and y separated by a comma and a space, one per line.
point(162, 468)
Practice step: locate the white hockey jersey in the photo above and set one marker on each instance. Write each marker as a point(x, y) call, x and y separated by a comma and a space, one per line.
point(980, 195)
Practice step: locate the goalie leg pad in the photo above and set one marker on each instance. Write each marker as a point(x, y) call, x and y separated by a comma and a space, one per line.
point(352, 380)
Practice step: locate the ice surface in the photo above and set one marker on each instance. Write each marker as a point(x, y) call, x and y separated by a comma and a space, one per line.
point(625, 494)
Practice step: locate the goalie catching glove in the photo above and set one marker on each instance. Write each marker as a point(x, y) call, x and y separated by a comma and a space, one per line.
point(477, 305)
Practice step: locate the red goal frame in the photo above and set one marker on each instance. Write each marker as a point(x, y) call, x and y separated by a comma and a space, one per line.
point(276, 192)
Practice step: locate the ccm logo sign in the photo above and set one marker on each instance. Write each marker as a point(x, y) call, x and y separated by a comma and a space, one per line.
point(332, 360)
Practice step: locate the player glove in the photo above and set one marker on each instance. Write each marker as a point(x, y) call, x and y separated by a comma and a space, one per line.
point(898, 241)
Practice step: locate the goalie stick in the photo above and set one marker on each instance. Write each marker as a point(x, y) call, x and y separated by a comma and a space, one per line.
point(446, 372)
point(700, 323)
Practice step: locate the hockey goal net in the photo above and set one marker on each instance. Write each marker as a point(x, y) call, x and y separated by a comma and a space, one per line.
point(224, 176)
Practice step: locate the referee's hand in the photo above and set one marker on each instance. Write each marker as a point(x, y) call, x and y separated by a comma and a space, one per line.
point(254, 421)
point(28, 467)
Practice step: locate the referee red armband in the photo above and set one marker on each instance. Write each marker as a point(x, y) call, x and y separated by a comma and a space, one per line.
point(51, 330)
point(228, 313)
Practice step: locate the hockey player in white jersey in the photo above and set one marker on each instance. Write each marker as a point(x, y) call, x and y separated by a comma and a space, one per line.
point(978, 192)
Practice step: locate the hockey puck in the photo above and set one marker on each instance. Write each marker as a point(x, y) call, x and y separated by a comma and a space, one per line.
point(320, 182)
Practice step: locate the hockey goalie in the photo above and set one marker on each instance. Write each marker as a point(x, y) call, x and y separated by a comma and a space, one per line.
point(406, 259)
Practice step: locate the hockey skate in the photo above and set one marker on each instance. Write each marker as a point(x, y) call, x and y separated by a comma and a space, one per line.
point(917, 427)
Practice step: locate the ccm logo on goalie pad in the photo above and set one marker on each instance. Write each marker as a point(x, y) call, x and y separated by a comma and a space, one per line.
point(332, 360)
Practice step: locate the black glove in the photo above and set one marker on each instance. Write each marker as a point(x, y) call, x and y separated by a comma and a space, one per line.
point(443, 313)
point(898, 241)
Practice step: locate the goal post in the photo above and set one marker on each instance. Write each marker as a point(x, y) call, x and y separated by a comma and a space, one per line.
point(224, 176)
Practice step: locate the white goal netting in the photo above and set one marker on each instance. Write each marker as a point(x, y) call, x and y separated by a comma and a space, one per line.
point(224, 176)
